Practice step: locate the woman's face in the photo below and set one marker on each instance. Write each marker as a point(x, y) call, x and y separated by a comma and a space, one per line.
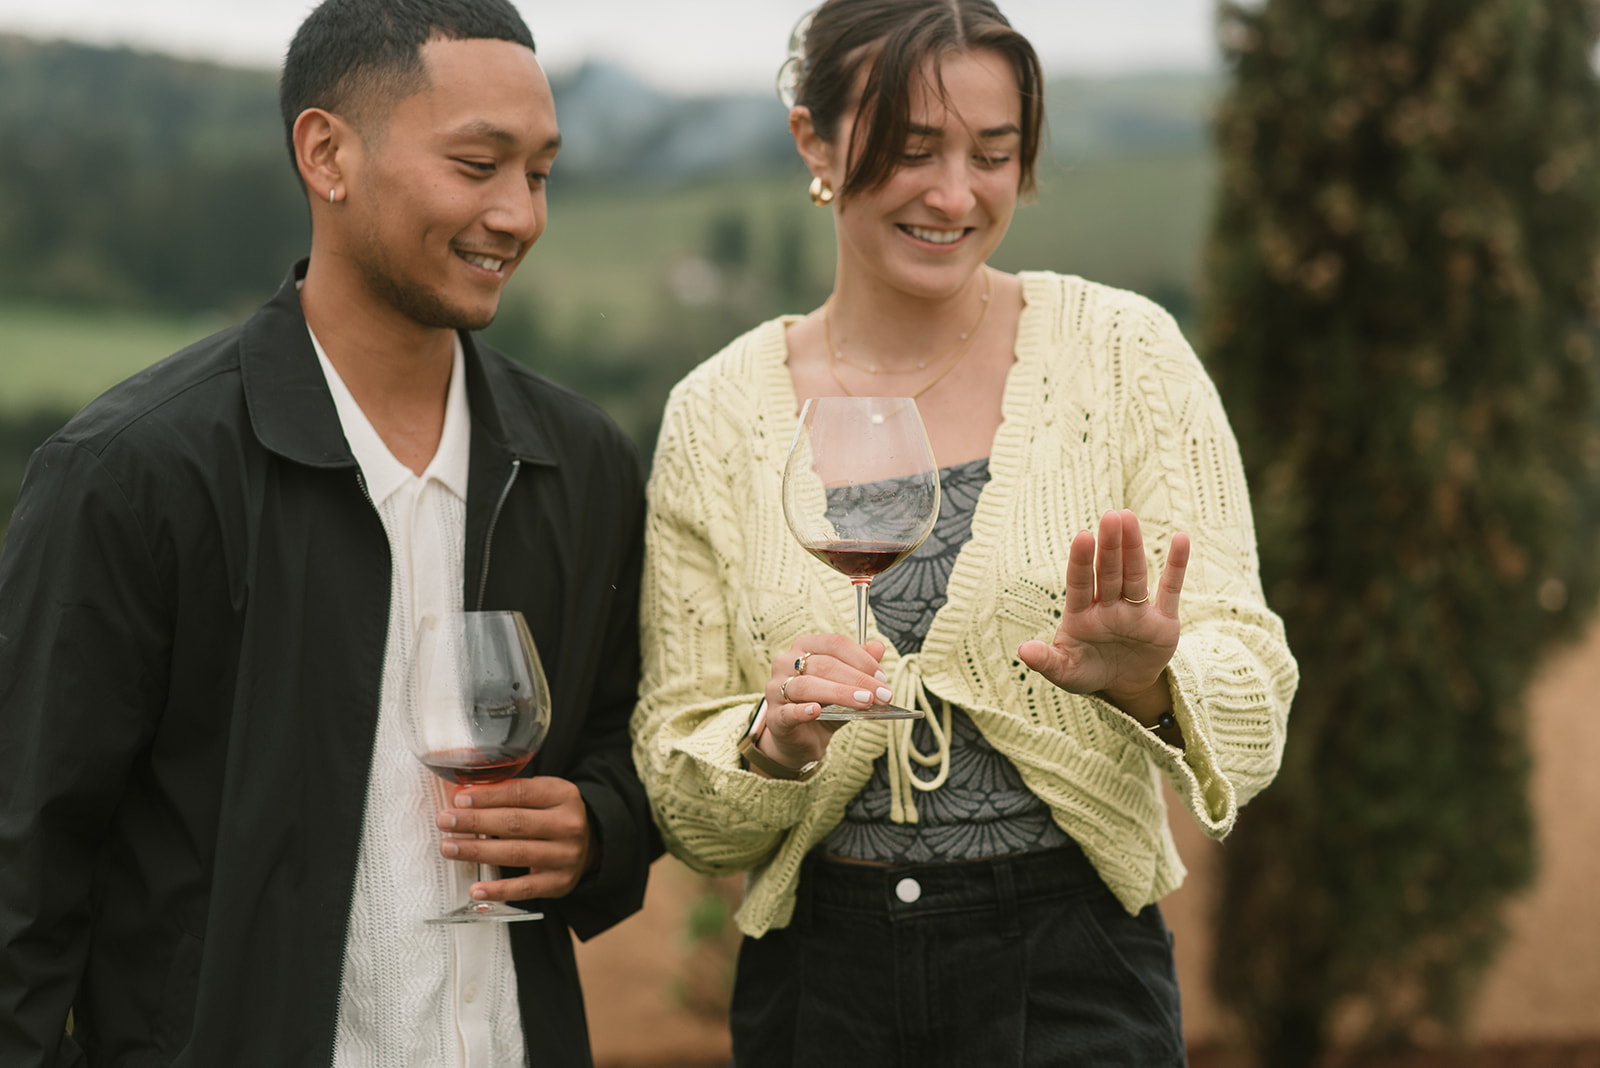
point(948, 204)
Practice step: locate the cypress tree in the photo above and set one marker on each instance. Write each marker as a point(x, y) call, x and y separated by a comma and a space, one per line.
point(1401, 318)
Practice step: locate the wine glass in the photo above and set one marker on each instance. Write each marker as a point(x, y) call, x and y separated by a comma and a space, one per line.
point(860, 493)
point(480, 713)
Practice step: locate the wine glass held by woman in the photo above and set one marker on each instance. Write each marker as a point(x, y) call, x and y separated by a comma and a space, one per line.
point(1069, 647)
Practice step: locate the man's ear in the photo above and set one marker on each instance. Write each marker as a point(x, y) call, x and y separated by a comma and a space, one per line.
point(321, 143)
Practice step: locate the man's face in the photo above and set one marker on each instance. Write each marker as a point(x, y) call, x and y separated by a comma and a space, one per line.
point(448, 194)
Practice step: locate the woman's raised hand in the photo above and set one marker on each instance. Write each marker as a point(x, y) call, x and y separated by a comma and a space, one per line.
point(1116, 634)
point(818, 669)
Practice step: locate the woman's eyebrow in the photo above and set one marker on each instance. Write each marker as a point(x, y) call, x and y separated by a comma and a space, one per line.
point(1007, 130)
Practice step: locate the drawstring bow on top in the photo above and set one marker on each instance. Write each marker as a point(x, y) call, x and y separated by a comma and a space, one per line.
point(906, 683)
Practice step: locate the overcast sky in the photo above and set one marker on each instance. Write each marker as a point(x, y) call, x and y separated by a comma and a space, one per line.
point(688, 45)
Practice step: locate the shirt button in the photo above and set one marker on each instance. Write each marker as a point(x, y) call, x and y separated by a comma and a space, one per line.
point(470, 994)
point(908, 890)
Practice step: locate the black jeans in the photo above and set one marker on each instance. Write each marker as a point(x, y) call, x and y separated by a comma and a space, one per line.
point(1025, 960)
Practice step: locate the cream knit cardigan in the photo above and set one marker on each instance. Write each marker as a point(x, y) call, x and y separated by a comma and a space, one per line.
point(1106, 407)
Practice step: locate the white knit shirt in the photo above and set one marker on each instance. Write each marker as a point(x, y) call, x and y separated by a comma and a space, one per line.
point(414, 995)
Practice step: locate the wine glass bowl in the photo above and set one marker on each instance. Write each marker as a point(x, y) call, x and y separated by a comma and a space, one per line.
point(860, 493)
point(480, 713)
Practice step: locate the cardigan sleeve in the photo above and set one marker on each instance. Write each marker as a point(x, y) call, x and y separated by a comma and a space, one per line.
point(1232, 676)
point(696, 697)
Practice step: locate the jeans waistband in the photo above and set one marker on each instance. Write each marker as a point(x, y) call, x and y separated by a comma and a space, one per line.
point(946, 886)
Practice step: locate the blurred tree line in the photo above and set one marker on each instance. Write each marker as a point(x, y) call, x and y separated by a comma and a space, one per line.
point(132, 183)
point(1402, 321)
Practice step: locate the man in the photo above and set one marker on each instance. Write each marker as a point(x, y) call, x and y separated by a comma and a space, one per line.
point(216, 848)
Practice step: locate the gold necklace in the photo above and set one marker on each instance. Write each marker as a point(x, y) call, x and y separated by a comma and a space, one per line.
point(836, 356)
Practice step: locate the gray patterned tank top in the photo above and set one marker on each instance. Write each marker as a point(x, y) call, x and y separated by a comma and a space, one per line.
point(983, 809)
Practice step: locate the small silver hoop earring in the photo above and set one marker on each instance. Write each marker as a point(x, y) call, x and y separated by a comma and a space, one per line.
point(330, 196)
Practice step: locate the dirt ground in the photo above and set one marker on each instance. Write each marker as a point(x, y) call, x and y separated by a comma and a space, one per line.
point(1582, 1055)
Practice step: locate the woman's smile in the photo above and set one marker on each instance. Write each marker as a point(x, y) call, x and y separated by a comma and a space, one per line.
point(933, 236)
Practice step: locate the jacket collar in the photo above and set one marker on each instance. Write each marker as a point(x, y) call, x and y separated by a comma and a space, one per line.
point(293, 413)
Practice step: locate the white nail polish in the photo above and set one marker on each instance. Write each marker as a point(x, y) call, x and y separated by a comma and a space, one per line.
point(885, 694)
point(880, 676)
point(863, 696)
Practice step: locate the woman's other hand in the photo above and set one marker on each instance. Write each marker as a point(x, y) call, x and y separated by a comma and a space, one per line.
point(818, 669)
point(1116, 634)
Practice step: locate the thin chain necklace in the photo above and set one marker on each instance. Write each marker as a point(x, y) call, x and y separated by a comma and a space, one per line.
point(836, 356)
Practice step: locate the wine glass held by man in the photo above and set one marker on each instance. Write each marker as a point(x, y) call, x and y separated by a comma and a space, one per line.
point(1068, 645)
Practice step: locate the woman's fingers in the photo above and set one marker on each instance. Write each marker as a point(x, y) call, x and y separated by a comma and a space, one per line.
point(786, 717)
point(1080, 573)
point(1135, 585)
point(823, 669)
point(1110, 565)
point(812, 648)
point(1108, 557)
point(842, 686)
point(1171, 589)
point(1046, 659)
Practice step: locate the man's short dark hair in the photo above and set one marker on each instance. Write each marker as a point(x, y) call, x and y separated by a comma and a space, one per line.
point(358, 57)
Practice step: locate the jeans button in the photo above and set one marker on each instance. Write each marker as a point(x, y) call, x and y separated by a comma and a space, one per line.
point(908, 890)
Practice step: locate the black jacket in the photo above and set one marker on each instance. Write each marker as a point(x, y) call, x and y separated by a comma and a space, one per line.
point(193, 608)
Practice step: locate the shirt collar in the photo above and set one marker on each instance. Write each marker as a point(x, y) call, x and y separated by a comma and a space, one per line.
point(383, 473)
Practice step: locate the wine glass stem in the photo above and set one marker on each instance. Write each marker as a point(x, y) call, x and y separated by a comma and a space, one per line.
point(862, 585)
point(486, 872)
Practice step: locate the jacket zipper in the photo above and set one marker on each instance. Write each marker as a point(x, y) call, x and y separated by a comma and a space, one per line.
point(338, 1007)
point(488, 538)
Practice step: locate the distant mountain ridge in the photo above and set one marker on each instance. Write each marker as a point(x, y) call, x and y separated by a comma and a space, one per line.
point(616, 128)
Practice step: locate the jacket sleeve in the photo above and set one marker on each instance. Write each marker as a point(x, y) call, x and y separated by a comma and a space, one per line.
point(84, 632)
point(695, 698)
point(1232, 676)
point(602, 764)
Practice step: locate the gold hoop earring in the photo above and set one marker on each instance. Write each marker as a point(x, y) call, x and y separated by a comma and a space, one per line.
point(821, 193)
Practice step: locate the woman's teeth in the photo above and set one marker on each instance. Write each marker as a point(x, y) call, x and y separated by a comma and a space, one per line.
point(935, 237)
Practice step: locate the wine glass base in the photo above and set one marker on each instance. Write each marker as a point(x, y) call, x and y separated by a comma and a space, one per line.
point(486, 912)
point(841, 712)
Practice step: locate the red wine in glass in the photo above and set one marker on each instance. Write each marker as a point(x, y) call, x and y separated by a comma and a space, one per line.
point(861, 559)
point(479, 713)
point(476, 765)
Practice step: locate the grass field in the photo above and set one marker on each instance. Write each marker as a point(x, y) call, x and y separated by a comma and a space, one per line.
point(62, 358)
point(605, 266)
point(609, 267)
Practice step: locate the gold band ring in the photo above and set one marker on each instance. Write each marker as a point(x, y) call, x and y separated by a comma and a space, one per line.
point(1143, 600)
point(800, 663)
point(783, 690)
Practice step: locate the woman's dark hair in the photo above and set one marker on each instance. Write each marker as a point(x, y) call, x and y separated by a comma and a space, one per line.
point(891, 40)
point(358, 56)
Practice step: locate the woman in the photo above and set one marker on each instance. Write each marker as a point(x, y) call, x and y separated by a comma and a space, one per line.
point(1000, 908)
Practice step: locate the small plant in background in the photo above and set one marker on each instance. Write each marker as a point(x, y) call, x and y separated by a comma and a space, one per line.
point(711, 941)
